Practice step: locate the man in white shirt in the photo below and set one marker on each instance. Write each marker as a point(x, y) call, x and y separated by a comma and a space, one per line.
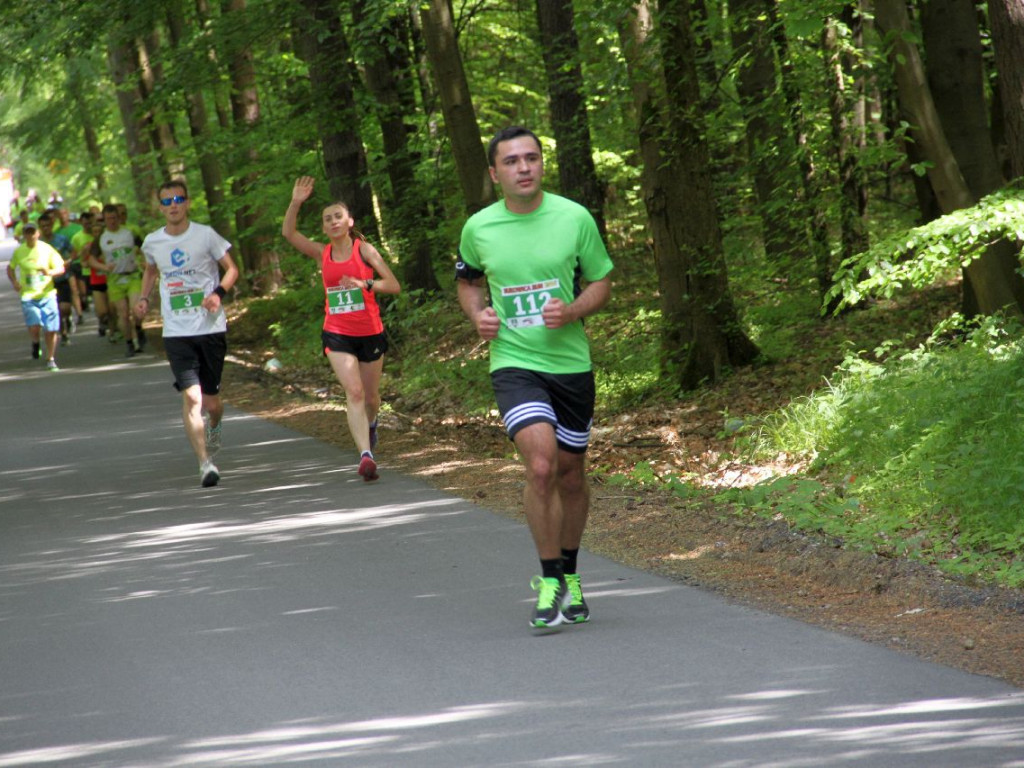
point(187, 259)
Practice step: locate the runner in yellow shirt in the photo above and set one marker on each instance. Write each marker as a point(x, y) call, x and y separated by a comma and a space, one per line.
point(31, 271)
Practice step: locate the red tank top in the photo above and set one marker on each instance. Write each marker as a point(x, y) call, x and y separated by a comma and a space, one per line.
point(350, 312)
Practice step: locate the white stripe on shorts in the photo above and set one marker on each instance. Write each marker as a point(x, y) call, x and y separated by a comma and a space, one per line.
point(527, 411)
point(571, 438)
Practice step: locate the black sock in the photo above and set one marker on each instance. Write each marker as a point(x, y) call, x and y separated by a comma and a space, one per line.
point(569, 560)
point(552, 569)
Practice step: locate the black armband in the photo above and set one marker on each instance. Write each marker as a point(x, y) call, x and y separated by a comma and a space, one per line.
point(465, 272)
point(219, 290)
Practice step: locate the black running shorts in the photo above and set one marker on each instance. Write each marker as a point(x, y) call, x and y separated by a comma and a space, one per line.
point(564, 400)
point(197, 360)
point(365, 348)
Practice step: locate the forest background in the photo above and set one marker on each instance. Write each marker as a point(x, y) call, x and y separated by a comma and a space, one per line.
point(814, 207)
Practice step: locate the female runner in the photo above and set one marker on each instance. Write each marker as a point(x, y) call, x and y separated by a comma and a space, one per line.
point(353, 334)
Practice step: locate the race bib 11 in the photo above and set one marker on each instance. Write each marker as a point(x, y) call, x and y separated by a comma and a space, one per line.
point(341, 300)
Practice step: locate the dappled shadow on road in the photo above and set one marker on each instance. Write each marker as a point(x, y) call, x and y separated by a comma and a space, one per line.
point(733, 731)
point(295, 615)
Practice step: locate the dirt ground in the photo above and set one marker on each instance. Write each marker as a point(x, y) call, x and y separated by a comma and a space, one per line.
point(758, 563)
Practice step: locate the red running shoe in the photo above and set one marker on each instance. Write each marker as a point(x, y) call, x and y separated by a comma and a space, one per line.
point(368, 468)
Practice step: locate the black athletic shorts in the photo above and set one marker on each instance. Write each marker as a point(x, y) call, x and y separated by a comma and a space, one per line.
point(365, 348)
point(197, 360)
point(63, 291)
point(563, 400)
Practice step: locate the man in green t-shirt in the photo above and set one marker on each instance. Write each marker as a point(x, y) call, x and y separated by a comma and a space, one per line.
point(530, 268)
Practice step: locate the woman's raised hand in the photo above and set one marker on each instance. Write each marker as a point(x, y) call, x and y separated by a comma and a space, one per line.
point(303, 189)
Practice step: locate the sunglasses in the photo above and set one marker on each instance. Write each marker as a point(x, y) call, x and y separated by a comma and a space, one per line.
point(179, 199)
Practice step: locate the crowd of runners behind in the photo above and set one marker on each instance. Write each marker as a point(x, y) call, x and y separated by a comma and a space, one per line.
point(103, 267)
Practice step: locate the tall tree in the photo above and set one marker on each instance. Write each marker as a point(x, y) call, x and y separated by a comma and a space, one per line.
point(76, 89)
point(260, 263)
point(701, 338)
point(198, 122)
point(150, 73)
point(956, 76)
point(847, 119)
point(987, 280)
point(456, 104)
point(1007, 21)
point(121, 60)
point(809, 205)
point(322, 44)
point(577, 175)
point(769, 143)
point(388, 71)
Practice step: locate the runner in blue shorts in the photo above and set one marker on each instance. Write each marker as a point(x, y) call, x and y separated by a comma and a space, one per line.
point(530, 268)
point(31, 271)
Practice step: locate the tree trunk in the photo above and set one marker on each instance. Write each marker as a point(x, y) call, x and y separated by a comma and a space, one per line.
point(428, 94)
point(852, 199)
point(576, 173)
point(120, 58)
point(1007, 20)
point(951, 191)
point(198, 122)
point(322, 44)
point(221, 97)
point(150, 75)
point(769, 145)
point(256, 256)
point(75, 85)
point(701, 338)
point(456, 104)
point(811, 209)
point(406, 207)
point(956, 76)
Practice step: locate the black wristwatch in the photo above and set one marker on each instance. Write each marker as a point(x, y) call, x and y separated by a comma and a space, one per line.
point(369, 284)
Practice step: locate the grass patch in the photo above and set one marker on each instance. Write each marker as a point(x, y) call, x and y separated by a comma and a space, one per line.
point(913, 456)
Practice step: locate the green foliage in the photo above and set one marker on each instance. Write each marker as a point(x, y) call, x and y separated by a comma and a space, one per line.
point(913, 455)
point(625, 364)
point(293, 319)
point(918, 257)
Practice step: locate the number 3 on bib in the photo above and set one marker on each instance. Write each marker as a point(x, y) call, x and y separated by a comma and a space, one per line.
point(522, 304)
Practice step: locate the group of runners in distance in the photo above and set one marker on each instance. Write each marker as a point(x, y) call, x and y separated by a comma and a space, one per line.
point(62, 266)
point(530, 268)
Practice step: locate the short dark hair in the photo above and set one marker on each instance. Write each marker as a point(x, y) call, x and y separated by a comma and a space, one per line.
point(172, 183)
point(110, 208)
point(507, 134)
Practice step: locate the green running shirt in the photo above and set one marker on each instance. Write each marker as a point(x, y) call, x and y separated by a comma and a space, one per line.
point(529, 258)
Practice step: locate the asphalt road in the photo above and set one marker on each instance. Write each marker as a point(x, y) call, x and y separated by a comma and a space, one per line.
point(295, 616)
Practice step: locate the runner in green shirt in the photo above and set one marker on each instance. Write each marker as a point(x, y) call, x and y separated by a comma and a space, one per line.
point(530, 268)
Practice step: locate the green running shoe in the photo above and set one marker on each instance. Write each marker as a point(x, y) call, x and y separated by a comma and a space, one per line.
point(577, 611)
point(552, 598)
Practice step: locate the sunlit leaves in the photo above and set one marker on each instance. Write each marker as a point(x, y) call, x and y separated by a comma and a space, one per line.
point(920, 256)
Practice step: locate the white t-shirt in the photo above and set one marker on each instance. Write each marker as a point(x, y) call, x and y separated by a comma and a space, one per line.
point(189, 272)
point(119, 250)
